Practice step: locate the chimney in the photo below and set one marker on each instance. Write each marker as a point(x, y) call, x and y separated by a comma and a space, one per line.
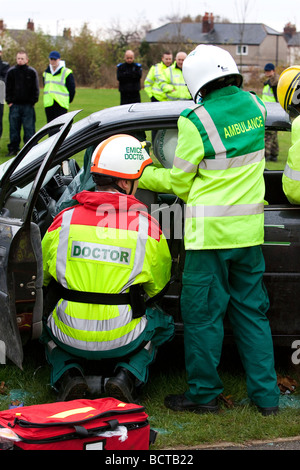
point(207, 22)
point(30, 25)
point(289, 30)
point(67, 33)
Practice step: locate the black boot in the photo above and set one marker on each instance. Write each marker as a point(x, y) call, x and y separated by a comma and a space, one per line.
point(122, 386)
point(71, 386)
point(181, 403)
point(268, 411)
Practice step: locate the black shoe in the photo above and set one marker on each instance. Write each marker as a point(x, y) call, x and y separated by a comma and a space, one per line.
point(122, 386)
point(72, 386)
point(273, 410)
point(181, 403)
point(11, 153)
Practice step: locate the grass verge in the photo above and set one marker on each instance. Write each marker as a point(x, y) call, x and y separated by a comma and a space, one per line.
point(238, 421)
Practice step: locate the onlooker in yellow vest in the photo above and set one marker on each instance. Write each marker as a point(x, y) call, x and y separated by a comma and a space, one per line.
point(173, 83)
point(269, 94)
point(152, 81)
point(59, 87)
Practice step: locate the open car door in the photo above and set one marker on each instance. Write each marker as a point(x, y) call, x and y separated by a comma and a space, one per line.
point(21, 264)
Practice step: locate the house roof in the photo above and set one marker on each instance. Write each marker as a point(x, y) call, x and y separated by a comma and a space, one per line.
point(222, 33)
point(19, 33)
point(295, 40)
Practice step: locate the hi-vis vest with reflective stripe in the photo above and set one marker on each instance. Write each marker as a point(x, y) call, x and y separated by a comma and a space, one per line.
point(152, 82)
point(104, 244)
point(267, 94)
point(218, 170)
point(291, 175)
point(172, 78)
point(55, 88)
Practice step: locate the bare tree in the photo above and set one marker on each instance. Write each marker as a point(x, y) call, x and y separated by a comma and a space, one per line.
point(242, 8)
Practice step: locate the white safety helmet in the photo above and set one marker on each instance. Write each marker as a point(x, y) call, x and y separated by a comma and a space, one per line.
point(164, 146)
point(120, 156)
point(205, 64)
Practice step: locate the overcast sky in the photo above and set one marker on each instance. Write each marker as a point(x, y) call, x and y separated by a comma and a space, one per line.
point(52, 17)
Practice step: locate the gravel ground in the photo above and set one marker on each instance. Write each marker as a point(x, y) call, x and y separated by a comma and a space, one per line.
point(292, 443)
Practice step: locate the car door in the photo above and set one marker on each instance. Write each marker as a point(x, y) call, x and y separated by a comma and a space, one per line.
point(21, 267)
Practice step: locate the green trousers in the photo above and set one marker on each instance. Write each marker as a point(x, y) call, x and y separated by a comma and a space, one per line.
point(216, 282)
point(139, 354)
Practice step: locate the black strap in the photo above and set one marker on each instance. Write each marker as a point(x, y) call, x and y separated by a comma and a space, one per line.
point(135, 298)
point(93, 297)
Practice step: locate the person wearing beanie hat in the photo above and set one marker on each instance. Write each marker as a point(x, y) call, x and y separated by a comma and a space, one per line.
point(269, 66)
point(269, 94)
point(54, 55)
point(4, 66)
point(59, 87)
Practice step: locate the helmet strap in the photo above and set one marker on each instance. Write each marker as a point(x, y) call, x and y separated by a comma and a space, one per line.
point(293, 111)
point(131, 189)
point(118, 188)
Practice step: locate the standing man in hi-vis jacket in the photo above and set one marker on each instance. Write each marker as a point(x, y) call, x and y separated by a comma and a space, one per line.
point(218, 172)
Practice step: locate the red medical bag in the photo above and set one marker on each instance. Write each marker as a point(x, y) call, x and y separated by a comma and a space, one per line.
point(101, 424)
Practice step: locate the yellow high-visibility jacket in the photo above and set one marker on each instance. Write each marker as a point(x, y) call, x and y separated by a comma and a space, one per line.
point(152, 82)
point(173, 84)
point(104, 244)
point(291, 174)
point(218, 171)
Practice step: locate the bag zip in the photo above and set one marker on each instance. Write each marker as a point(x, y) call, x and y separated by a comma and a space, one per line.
point(67, 437)
point(27, 424)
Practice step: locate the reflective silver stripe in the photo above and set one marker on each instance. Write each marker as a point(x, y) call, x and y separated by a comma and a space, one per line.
point(155, 88)
point(179, 84)
point(84, 324)
point(140, 250)
point(224, 211)
point(261, 107)
point(55, 93)
point(156, 73)
point(62, 79)
point(171, 98)
point(185, 166)
point(99, 345)
point(268, 93)
point(62, 249)
point(292, 174)
point(212, 132)
point(51, 346)
point(234, 162)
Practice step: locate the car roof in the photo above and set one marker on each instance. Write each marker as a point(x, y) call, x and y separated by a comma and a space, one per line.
point(126, 118)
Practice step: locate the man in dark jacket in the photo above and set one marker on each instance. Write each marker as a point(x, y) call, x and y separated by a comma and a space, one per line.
point(4, 66)
point(129, 76)
point(22, 92)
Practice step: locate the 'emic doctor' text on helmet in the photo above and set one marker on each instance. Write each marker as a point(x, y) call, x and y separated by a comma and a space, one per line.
point(120, 156)
point(288, 90)
point(206, 64)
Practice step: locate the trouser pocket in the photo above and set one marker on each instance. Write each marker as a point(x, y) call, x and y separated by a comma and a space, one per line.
point(195, 297)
